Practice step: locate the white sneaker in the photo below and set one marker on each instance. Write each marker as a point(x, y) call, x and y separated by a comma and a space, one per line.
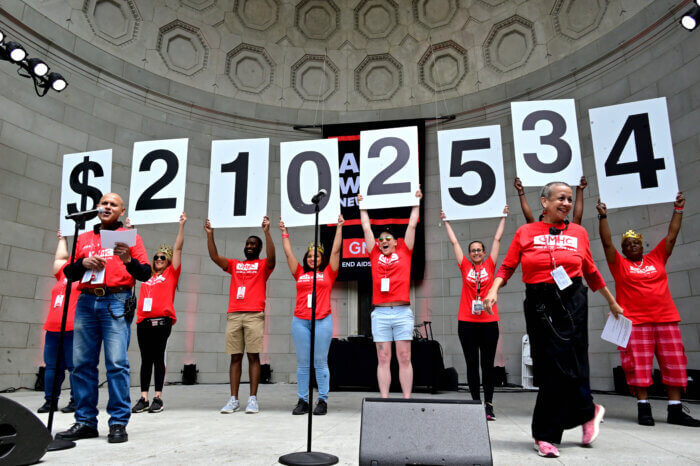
point(232, 406)
point(252, 407)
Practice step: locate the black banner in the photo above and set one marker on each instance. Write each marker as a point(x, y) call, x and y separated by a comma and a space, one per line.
point(354, 263)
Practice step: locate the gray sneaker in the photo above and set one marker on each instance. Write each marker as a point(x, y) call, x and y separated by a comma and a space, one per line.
point(252, 407)
point(232, 406)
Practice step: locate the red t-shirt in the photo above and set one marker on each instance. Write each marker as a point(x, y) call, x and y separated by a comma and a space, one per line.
point(161, 290)
point(470, 284)
point(58, 293)
point(248, 284)
point(305, 286)
point(534, 247)
point(642, 289)
point(397, 268)
point(90, 244)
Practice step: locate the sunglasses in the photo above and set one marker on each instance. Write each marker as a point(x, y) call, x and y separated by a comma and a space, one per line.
point(160, 257)
point(385, 238)
point(476, 250)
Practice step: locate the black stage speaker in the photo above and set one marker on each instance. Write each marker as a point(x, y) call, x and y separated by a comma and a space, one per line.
point(423, 432)
point(23, 437)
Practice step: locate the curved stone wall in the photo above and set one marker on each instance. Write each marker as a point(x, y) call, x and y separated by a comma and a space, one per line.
point(114, 99)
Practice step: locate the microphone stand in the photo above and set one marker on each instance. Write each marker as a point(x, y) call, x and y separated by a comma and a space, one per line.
point(308, 457)
point(59, 443)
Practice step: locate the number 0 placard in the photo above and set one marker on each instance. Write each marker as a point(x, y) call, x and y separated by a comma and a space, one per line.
point(158, 174)
point(634, 153)
point(86, 178)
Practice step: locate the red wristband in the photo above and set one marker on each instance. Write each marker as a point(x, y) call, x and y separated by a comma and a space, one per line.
point(285, 235)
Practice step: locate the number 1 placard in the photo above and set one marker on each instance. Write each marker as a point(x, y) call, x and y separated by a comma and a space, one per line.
point(158, 174)
point(238, 182)
point(634, 153)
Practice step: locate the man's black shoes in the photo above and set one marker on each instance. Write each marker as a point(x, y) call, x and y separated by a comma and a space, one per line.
point(117, 434)
point(46, 407)
point(78, 431)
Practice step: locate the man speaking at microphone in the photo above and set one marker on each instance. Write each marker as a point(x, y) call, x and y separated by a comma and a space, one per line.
point(104, 313)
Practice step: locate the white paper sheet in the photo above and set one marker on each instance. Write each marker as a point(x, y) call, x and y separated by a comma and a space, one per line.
point(109, 238)
point(617, 331)
point(94, 278)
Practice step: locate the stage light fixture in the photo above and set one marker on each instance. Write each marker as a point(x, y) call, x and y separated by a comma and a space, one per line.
point(15, 51)
point(37, 67)
point(2, 37)
point(57, 82)
point(690, 19)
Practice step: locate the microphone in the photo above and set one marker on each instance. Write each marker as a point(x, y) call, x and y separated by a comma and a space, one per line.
point(317, 197)
point(85, 214)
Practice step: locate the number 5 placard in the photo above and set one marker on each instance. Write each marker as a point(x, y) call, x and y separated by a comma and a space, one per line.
point(158, 174)
point(238, 182)
point(634, 153)
point(471, 172)
point(389, 173)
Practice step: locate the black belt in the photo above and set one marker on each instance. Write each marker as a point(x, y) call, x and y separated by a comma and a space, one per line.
point(156, 321)
point(104, 290)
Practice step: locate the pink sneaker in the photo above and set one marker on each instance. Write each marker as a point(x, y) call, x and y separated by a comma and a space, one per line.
point(592, 427)
point(546, 449)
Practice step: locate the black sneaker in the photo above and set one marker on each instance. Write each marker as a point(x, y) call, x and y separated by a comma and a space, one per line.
point(156, 405)
point(117, 434)
point(677, 414)
point(140, 406)
point(644, 417)
point(46, 407)
point(321, 408)
point(70, 407)
point(78, 431)
point(302, 407)
point(490, 416)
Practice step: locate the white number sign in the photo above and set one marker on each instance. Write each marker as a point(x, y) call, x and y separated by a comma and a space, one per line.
point(86, 178)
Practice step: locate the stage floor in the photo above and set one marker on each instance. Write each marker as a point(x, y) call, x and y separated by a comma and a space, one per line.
point(192, 431)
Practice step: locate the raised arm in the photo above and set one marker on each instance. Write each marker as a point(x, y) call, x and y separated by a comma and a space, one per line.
point(292, 261)
point(496, 245)
point(211, 247)
point(675, 226)
point(269, 245)
point(61, 256)
point(366, 226)
point(605, 235)
point(410, 236)
point(334, 261)
point(459, 255)
point(523, 201)
point(179, 242)
point(578, 204)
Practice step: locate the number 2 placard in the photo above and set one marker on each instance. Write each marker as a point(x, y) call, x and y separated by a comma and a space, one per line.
point(389, 173)
point(634, 153)
point(158, 174)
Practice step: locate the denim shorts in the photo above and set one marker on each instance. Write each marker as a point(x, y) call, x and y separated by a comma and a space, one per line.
point(392, 323)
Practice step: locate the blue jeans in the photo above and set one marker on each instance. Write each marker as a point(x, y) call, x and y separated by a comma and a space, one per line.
point(94, 324)
point(301, 336)
point(50, 355)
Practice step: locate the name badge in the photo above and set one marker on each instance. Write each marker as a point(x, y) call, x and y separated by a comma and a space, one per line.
point(561, 278)
point(241, 292)
point(477, 306)
point(147, 303)
point(384, 285)
point(309, 300)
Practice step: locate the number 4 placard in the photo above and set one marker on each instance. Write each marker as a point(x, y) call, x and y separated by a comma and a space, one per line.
point(634, 153)
point(158, 174)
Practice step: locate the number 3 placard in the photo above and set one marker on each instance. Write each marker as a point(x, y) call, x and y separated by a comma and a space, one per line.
point(158, 174)
point(634, 153)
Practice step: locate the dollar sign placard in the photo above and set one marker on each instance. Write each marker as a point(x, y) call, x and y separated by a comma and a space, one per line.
point(86, 177)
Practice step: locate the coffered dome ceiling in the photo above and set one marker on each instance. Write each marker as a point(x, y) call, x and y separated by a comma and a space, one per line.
point(342, 54)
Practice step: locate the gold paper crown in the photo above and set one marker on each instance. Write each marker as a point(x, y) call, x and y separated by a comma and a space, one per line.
point(632, 235)
point(167, 250)
point(311, 247)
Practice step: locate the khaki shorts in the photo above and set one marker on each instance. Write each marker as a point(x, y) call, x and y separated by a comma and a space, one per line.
point(244, 330)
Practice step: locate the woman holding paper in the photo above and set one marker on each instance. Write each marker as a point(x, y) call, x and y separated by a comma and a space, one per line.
point(478, 331)
point(555, 255)
point(155, 316)
point(642, 287)
point(326, 273)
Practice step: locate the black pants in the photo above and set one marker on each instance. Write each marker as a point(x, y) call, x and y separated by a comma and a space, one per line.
point(152, 343)
point(479, 341)
point(557, 324)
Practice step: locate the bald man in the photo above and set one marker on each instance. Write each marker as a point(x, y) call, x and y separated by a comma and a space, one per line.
point(101, 316)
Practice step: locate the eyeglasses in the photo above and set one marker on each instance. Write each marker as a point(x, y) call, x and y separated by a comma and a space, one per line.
point(385, 238)
point(160, 257)
point(476, 250)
